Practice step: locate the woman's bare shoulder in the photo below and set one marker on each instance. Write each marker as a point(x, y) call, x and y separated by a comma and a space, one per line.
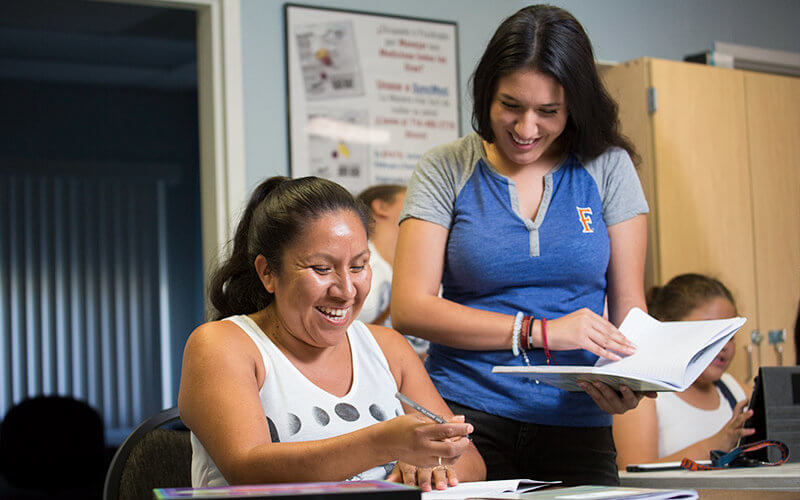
point(388, 338)
point(220, 339)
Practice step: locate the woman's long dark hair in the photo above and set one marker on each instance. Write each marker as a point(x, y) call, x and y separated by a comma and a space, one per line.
point(551, 41)
point(675, 300)
point(278, 211)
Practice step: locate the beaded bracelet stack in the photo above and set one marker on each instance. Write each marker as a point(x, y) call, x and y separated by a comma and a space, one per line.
point(522, 336)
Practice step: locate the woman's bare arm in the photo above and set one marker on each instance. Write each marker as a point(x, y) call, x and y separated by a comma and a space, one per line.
point(417, 309)
point(413, 381)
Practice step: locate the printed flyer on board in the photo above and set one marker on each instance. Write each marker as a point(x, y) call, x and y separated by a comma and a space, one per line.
point(369, 94)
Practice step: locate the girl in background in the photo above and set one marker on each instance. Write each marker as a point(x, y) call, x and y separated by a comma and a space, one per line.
point(709, 415)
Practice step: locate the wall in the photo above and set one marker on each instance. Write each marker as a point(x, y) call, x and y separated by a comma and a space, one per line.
point(620, 30)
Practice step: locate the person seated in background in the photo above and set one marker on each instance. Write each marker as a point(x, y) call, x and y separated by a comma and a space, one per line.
point(285, 385)
point(52, 447)
point(711, 413)
point(384, 202)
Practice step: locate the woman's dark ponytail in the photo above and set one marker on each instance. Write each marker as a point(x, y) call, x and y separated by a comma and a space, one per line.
point(277, 212)
point(234, 287)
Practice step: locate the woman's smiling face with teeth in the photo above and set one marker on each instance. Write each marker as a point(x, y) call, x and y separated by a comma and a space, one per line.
point(324, 279)
point(528, 114)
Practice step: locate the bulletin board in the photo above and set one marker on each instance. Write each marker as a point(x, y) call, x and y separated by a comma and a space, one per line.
point(368, 94)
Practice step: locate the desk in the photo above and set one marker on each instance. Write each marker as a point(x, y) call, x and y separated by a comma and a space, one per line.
point(783, 478)
point(746, 495)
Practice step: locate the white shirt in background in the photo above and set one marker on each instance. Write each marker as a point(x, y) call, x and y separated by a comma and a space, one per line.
point(681, 424)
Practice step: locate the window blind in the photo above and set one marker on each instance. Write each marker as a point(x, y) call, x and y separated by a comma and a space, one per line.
point(82, 293)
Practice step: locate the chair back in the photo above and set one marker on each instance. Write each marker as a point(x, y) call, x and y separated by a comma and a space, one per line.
point(151, 457)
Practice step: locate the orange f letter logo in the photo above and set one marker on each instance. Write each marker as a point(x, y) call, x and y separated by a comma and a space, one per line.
point(586, 220)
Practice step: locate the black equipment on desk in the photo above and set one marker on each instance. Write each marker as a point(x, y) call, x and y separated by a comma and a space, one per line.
point(776, 410)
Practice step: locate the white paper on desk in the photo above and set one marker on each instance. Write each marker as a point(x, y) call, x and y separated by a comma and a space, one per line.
point(495, 489)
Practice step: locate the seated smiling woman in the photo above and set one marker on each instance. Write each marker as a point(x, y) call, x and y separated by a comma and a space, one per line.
point(285, 386)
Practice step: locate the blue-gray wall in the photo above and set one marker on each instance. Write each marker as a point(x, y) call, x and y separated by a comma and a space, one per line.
point(620, 30)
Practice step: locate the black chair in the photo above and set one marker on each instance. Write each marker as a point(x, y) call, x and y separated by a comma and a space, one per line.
point(151, 457)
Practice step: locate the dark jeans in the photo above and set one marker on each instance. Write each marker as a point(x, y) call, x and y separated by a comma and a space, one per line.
point(512, 449)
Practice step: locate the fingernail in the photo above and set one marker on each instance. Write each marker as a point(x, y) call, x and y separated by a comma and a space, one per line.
point(469, 429)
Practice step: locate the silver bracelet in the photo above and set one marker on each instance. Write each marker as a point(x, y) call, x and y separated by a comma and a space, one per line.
point(515, 336)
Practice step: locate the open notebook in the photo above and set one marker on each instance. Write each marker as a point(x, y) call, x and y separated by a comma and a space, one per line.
point(670, 355)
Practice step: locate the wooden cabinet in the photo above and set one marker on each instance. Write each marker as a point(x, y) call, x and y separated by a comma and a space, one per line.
point(773, 130)
point(721, 170)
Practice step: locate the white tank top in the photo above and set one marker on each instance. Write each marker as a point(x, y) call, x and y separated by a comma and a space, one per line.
point(298, 410)
point(681, 424)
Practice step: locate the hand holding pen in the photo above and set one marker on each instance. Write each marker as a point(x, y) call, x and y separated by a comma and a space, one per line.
point(429, 444)
point(442, 440)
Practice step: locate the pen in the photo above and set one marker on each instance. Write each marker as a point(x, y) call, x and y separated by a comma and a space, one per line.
point(436, 418)
point(659, 466)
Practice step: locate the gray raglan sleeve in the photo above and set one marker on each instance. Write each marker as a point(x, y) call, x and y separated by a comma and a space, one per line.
point(432, 189)
point(619, 185)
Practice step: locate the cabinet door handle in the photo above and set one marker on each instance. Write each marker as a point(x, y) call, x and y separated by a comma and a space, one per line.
point(777, 338)
point(755, 344)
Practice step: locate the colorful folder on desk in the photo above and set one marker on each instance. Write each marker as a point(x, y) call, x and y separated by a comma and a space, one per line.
point(360, 490)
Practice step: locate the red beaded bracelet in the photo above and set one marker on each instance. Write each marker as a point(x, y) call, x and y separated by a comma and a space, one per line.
point(524, 340)
point(544, 341)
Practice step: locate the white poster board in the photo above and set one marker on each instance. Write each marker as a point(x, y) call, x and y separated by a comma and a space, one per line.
point(368, 93)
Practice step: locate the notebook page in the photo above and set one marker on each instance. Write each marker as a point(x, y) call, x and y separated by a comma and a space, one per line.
point(473, 488)
point(649, 360)
point(486, 488)
point(660, 358)
point(701, 361)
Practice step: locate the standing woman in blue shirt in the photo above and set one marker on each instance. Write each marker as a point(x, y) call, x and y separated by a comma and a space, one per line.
point(530, 225)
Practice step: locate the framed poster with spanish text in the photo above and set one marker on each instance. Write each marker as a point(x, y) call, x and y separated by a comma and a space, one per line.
point(368, 94)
